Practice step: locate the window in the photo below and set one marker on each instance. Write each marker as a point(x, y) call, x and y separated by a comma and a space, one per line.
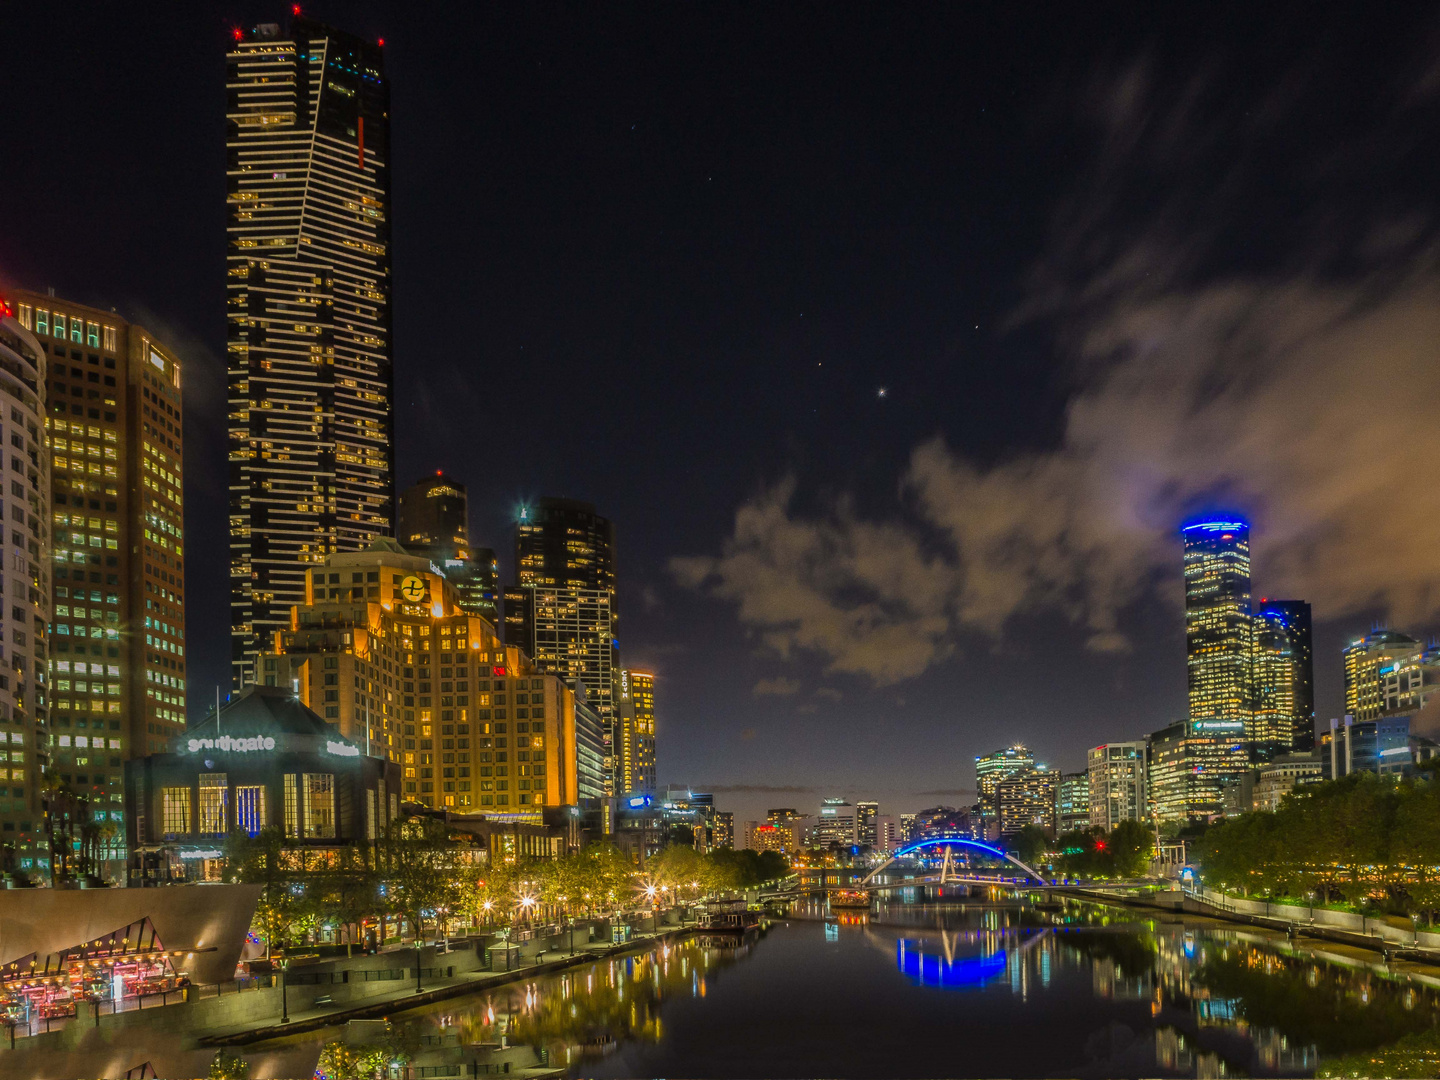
point(110, 338)
point(42, 321)
point(214, 795)
point(175, 810)
point(92, 334)
point(77, 330)
point(250, 808)
point(292, 807)
point(320, 806)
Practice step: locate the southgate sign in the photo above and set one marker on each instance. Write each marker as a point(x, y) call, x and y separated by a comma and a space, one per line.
point(225, 742)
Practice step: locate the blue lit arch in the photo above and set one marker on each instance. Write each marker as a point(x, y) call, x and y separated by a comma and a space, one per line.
point(963, 841)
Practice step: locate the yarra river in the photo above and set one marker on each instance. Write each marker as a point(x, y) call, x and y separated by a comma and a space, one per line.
point(965, 988)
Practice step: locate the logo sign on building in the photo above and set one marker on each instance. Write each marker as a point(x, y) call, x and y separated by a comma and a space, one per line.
point(413, 589)
point(233, 745)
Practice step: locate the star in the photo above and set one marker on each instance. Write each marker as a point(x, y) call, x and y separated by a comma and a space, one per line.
point(882, 392)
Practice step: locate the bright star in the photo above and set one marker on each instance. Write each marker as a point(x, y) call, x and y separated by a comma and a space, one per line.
point(882, 392)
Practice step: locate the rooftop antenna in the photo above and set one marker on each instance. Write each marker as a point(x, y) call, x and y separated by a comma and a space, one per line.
point(217, 708)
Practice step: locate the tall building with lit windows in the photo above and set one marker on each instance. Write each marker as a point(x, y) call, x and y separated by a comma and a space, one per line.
point(562, 611)
point(637, 732)
point(25, 589)
point(308, 302)
point(1218, 628)
point(117, 655)
point(1368, 660)
point(1283, 670)
point(434, 521)
point(382, 648)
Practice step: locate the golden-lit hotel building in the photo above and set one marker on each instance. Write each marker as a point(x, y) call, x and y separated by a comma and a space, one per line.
point(637, 732)
point(308, 313)
point(117, 642)
point(382, 648)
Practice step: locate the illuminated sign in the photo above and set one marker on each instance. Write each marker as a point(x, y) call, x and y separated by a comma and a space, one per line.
point(412, 588)
point(342, 749)
point(637, 801)
point(157, 360)
point(225, 742)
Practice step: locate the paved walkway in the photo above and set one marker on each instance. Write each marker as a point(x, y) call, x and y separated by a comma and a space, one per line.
point(434, 989)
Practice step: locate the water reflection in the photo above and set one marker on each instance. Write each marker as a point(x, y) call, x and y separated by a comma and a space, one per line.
point(1107, 993)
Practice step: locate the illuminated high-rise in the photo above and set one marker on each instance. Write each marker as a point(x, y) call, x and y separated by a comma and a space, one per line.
point(25, 616)
point(1218, 645)
point(308, 304)
point(1283, 671)
point(1368, 660)
point(636, 743)
point(117, 582)
point(562, 608)
point(993, 767)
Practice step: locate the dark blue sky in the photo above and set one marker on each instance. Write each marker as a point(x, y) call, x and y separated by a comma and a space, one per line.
point(663, 257)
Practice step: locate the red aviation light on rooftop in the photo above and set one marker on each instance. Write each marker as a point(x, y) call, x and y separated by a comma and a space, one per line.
point(295, 10)
point(381, 43)
point(236, 33)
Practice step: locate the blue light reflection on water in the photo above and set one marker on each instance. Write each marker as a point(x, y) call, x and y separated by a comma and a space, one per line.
point(957, 973)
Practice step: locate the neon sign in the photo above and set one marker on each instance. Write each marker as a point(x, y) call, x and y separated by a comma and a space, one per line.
point(342, 749)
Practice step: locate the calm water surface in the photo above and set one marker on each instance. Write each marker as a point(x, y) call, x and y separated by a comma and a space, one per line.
point(960, 989)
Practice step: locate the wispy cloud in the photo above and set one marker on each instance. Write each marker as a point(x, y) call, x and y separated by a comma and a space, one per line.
point(779, 687)
point(1304, 393)
point(756, 789)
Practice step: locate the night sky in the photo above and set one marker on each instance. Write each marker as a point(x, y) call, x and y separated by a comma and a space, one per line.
point(1108, 268)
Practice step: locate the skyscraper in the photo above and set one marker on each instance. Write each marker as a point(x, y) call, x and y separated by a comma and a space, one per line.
point(866, 814)
point(1367, 661)
point(1193, 764)
point(1284, 679)
point(25, 615)
point(1217, 621)
point(308, 301)
point(434, 522)
point(562, 609)
point(636, 743)
point(117, 651)
point(993, 767)
point(1118, 784)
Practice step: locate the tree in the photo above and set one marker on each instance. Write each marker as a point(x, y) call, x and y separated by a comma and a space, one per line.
point(1029, 844)
point(1130, 845)
point(262, 860)
point(416, 861)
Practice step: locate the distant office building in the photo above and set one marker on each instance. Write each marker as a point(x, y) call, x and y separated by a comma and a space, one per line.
point(636, 731)
point(308, 297)
point(794, 824)
point(1072, 802)
point(1118, 784)
point(562, 609)
point(117, 643)
point(1191, 765)
point(887, 833)
point(907, 829)
point(1027, 798)
point(835, 824)
point(865, 816)
point(1406, 687)
point(382, 649)
point(1381, 746)
point(435, 522)
point(767, 837)
point(1283, 671)
point(993, 767)
point(1218, 626)
point(1281, 775)
point(724, 829)
point(1367, 661)
point(25, 615)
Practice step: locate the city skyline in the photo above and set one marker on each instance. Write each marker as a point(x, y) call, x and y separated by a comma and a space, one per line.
point(771, 699)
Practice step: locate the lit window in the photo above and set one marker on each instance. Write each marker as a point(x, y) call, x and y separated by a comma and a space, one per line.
point(250, 808)
point(42, 321)
point(214, 794)
point(175, 810)
point(92, 334)
point(320, 806)
point(77, 329)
